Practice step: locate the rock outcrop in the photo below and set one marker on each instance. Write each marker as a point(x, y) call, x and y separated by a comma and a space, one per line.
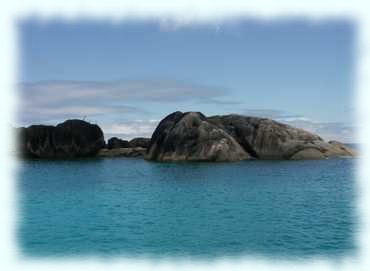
point(265, 138)
point(190, 137)
point(268, 139)
point(193, 137)
point(115, 142)
point(70, 139)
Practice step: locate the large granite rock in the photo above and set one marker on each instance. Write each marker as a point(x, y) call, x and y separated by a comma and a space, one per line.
point(193, 137)
point(268, 139)
point(115, 142)
point(190, 137)
point(70, 139)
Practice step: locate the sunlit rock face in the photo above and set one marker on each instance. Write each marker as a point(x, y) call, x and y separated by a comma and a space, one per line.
point(268, 139)
point(192, 136)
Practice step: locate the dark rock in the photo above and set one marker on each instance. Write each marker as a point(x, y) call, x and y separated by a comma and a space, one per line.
point(125, 152)
point(190, 137)
point(142, 142)
point(114, 143)
point(181, 136)
point(267, 139)
point(36, 141)
point(70, 139)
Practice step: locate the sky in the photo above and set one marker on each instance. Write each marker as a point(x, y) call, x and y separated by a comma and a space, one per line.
point(127, 76)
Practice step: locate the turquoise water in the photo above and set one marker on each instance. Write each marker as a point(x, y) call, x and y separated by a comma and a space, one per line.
point(132, 207)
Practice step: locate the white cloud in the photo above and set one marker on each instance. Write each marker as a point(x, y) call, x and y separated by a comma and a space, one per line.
point(157, 90)
point(271, 113)
point(173, 24)
point(130, 129)
point(54, 101)
point(44, 101)
point(327, 130)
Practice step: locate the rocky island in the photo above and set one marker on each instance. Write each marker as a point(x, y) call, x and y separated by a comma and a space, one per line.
point(189, 136)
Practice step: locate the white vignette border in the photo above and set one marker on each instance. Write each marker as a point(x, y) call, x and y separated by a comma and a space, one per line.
point(179, 12)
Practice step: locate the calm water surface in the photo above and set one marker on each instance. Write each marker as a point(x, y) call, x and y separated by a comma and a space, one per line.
point(132, 207)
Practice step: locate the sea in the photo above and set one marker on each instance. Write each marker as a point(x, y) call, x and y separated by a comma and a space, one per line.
point(128, 207)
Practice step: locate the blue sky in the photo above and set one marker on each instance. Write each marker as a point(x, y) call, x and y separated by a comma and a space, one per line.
point(127, 76)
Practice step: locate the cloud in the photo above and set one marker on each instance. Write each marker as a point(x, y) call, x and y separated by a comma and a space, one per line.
point(32, 114)
point(215, 101)
point(157, 90)
point(173, 24)
point(42, 101)
point(54, 101)
point(328, 130)
point(272, 114)
point(130, 129)
point(232, 27)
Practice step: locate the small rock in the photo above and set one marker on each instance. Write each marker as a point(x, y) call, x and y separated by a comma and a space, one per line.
point(142, 142)
point(126, 152)
point(115, 142)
